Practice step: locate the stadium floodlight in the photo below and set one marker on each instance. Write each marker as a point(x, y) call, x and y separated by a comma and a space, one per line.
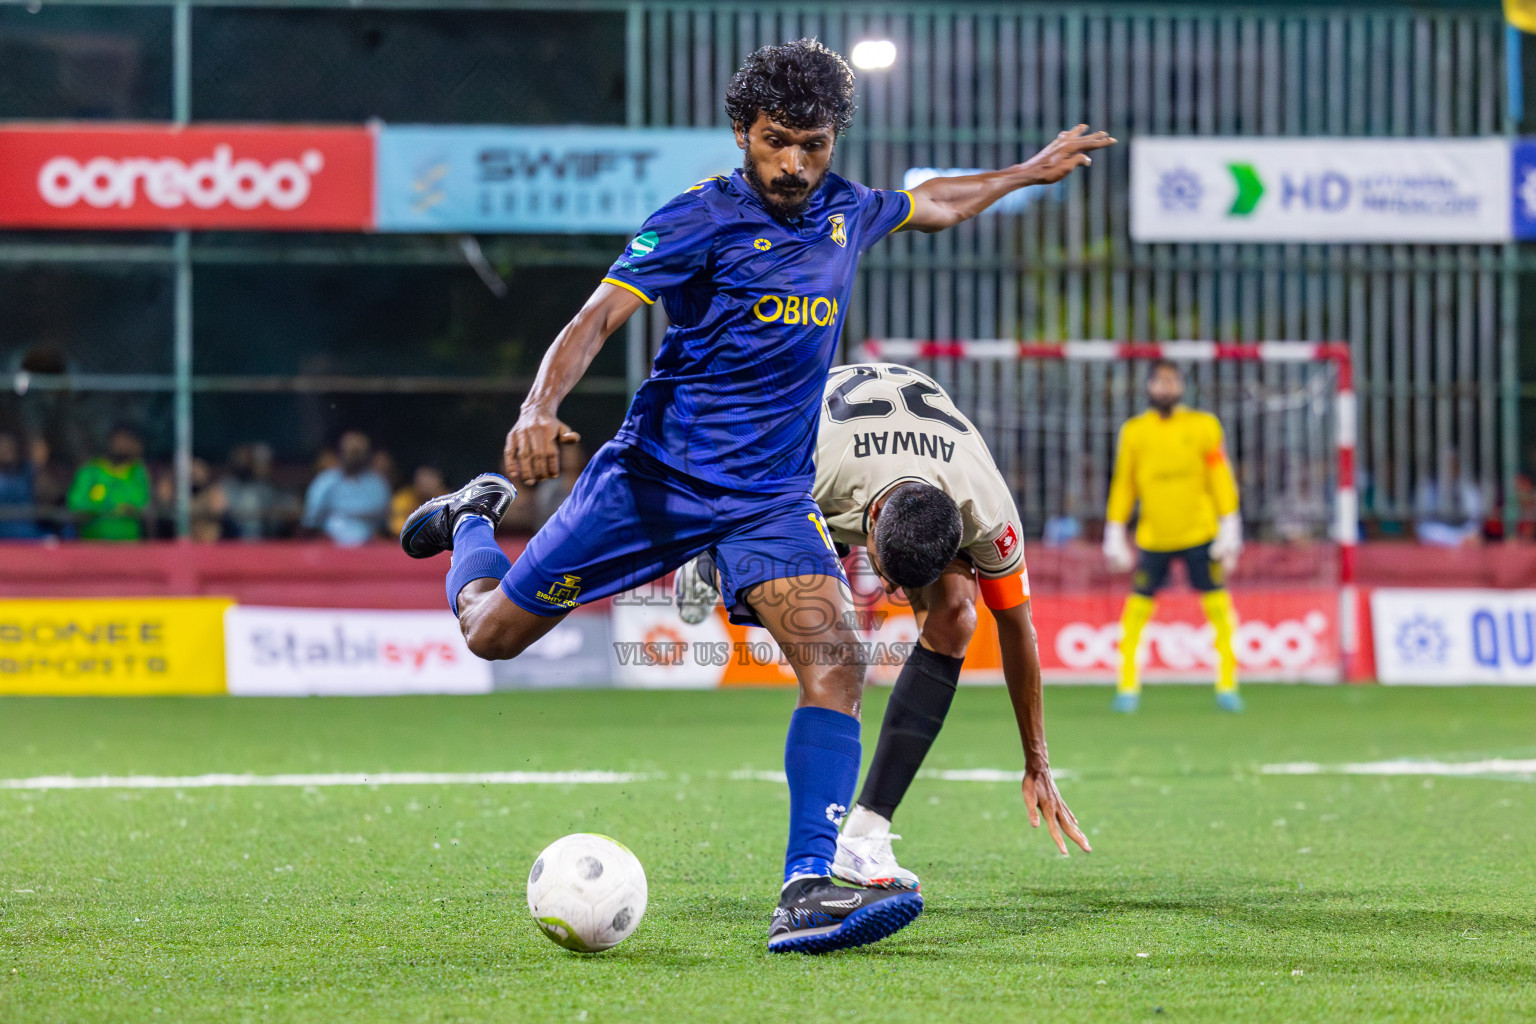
point(872, 54)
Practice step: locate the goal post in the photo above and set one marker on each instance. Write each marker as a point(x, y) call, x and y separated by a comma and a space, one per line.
point(1252, 397)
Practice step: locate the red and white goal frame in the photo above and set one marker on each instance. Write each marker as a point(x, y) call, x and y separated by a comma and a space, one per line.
point(1345, 528)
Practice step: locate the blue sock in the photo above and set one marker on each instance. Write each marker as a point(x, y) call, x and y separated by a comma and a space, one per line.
point(821, 760)
point(475, 557)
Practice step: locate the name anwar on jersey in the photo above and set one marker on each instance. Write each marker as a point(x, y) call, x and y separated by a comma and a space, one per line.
point(929, 446)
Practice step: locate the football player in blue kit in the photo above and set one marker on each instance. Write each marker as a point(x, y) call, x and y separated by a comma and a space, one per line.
point(716, 454)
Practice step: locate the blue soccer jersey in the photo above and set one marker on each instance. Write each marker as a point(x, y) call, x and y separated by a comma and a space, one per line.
point(757, 307)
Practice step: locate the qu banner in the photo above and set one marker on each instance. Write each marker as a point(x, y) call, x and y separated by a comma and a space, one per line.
point(557, 180)
point(1290, 189)
point(1451, 637)
point(116, 648)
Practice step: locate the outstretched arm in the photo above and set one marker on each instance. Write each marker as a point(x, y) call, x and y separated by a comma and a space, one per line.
point(533, 445)
point(1021, 671)
point(940, 203)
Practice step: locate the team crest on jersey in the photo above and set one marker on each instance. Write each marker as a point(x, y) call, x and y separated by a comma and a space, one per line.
point(762, 244)
point(1007, 542)
point(562, 592)
point(839, 232)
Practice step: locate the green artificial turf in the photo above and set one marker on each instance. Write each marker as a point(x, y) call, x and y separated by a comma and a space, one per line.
point(1252, 896)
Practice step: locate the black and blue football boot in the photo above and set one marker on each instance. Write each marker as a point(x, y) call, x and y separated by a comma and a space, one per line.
point(429, 530)
point(816, 916)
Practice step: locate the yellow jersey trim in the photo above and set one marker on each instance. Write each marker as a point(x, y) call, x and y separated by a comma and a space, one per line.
point(701, 184)
point(629, 287)
point(911, 209)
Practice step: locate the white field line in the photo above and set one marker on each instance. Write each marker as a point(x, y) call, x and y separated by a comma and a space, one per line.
point(227, 781)
point(1494, 767)
point(366, 779)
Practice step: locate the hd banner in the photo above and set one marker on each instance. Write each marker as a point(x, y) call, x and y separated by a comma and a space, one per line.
point(134, 176)
point(132, 647)
point(558, 180)
point(1303, 189)
point(1452, 637)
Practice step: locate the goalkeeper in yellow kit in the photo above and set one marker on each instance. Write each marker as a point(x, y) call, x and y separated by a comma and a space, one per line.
point(1172, 459)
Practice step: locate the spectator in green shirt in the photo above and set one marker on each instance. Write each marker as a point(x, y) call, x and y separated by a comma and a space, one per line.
point(109, 495)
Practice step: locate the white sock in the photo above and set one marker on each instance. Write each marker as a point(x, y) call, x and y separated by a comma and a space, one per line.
point(466, 517)
point(862, 822)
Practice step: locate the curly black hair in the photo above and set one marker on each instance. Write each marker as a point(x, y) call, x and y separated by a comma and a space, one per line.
point(801, 85)
point(917, 534)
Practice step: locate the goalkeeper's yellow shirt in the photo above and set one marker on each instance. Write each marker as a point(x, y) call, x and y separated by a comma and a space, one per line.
point(1177, 467)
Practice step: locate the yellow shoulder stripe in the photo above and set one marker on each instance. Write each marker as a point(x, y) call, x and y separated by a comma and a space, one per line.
point(706, 181)
point(630, 288)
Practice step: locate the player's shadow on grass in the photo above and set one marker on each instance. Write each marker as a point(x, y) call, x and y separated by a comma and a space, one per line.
point(1317, 911)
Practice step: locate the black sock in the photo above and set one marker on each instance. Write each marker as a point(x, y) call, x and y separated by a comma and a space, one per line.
point(913, 718)
point(705, 567)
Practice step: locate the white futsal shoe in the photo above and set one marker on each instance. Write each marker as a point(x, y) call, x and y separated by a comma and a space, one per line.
point(864, 855)
point(694, 589)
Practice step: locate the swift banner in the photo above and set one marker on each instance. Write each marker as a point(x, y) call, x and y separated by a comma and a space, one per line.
point(163, 176)
point(557, 180)
point(113, 648)
point(1202, 189)
point(1449, 637)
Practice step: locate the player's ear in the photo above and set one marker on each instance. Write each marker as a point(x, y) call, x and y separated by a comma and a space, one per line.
point(741, 137)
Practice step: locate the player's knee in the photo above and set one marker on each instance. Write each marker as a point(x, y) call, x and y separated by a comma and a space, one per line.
point(836, 679)
point(948, 629)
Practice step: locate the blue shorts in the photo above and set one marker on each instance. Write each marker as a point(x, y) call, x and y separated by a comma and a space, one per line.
point(632, 519)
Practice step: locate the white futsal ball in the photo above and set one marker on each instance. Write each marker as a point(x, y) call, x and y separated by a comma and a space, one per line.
point(587, 892)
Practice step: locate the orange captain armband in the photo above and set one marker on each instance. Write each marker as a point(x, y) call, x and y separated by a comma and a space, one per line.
point(1005, 593)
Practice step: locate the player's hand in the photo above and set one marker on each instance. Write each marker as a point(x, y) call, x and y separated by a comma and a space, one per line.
point(1065, 153)
point(533, 447)
point(1228, 544)
point(1042, 799)
point(1117, 551)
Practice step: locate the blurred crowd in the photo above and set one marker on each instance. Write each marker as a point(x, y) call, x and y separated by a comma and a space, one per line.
point(351, 494)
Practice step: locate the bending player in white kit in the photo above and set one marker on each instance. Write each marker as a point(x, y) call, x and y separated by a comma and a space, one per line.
point(900, 471)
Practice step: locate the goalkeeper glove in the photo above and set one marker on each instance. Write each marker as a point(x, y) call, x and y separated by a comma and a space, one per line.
point(1229, 541)
point(1116, 551)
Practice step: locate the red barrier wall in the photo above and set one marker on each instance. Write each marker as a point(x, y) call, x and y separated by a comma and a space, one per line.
point(320, 575)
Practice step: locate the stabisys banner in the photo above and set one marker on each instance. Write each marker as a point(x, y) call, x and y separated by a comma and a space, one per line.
point(155, 176)
point(1304, 189)
point(300, 652)
point(1454, 637)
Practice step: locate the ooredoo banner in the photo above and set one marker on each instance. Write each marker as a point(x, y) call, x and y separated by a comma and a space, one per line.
point(1454, 637)
point(299, 652)
point(1283, 635)
point(204, 176)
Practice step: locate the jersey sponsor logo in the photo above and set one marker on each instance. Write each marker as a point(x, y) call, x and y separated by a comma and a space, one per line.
point(562, 592)
point(900, 442)
point(838, 229)
point(761, 244)
point(1006, 543)
point(644, 244)
point(796, 309)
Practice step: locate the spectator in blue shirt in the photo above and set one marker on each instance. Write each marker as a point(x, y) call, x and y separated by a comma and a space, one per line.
point(18, 511)
point(350, 502)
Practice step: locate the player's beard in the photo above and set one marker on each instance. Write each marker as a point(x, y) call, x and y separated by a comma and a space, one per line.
point(1165, 404)
point(787, 205)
